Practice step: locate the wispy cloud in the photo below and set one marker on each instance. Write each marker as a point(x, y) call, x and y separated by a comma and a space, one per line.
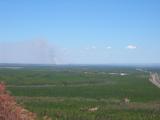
point(131, 47)
point(108, 47)
point(93, 47)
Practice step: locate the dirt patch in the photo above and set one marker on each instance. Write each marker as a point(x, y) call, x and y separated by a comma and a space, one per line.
point(154, 78)
point(10, 110)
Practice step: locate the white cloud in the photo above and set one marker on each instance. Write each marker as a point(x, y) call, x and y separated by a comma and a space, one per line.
point(93, 47)
point(108, 47)
point(131, 47)
point(87, 48)
point(64, 49)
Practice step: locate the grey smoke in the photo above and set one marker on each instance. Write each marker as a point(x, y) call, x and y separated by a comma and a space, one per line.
point(30, 51)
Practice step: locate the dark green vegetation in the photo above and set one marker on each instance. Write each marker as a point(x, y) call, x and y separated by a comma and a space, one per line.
point(68, 92)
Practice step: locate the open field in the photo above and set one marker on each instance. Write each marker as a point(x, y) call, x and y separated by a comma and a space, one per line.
point(71, 92)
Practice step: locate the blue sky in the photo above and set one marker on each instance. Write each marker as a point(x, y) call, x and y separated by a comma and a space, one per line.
point(80, 31)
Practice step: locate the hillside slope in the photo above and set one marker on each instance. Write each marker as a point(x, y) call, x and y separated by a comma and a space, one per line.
point(9, 110)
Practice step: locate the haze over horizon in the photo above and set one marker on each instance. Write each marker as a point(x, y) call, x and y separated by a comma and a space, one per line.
point(80, 32)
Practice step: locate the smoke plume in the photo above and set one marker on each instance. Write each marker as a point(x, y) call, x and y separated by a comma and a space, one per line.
point(31, 51)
